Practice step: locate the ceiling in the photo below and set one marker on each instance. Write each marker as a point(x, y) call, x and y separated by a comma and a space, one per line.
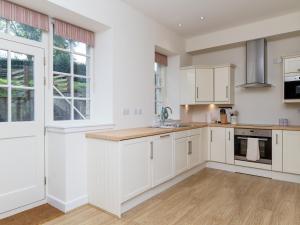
point(219, 14)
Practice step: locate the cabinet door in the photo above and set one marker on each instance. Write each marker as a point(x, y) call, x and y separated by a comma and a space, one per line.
point(194, 151)
point(277, 150)
point(292, 65)
point(204, 85)
point(217, 144)
point(291, 152)
point(230, 145)
point(221, 88)
point(162, 159)
point(187, 86)
point(136, 170)
point(181, 155)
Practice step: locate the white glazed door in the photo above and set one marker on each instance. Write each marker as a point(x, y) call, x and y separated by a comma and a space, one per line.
point(204, 85)
point(195, 156)
point(217, 144)
point(187, 86)
point(181, 155)
point(222, 84)
point(21, 125)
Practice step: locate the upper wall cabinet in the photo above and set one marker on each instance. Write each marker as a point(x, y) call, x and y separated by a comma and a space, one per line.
point(291, 65)
point(206, 85)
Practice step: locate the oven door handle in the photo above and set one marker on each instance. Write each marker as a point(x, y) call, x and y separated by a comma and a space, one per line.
point(260, 139)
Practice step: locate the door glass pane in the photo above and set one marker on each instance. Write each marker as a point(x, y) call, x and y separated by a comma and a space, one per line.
point(61, 61)
point(79, 65)
point(81, 87)
point(62, 110)
point(63, 84)
point(25, 31)
point(22, 105)
point(3, 67)
point(83, 107)
point(21, 69)
point(3, 104)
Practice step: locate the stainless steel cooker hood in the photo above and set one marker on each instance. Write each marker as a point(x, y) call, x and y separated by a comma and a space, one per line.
point(256, 65)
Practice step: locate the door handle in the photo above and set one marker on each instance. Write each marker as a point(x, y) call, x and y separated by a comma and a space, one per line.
point(211, 136)
point(276, 139)
point(197, 92)
point(151, 150)
point(229, 137)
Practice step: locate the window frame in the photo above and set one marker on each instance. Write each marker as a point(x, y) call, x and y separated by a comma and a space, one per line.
point(163, 89)
point(89, 76)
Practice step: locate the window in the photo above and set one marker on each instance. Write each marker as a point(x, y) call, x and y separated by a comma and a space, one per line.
point(160, 86)
point(20, 30)
point(71, 79)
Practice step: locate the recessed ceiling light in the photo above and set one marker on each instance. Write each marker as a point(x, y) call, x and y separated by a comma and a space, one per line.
point(202, 18)
point(180, 24)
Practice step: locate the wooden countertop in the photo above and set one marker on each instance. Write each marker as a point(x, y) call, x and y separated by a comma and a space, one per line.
point(126, 134)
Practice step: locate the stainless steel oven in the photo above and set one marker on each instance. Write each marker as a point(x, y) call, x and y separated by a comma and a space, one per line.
point(265, 144)
point(292, 87)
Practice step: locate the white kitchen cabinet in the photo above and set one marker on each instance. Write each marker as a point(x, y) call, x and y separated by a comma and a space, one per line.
point(223, 84)
point(217, 144)
point(291, 65)
point(162, 158)
point(277, 150)
point(204, 85)
point(187, 86)
point(181, 155)
point(291, 152)
point(136, 170)
point(195, 151)
point(229, 145)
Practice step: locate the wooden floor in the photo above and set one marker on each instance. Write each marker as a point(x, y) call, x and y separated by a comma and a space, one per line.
point(209, 197)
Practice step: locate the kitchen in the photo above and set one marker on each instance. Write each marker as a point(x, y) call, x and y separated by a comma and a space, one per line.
point(214, 128)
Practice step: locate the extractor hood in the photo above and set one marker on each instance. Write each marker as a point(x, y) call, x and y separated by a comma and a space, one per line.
point(256, 64)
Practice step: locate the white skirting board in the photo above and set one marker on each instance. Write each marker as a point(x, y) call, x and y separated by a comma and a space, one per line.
point(22, 209)
point(254, 171)
point(67, 206)
point(160, 188)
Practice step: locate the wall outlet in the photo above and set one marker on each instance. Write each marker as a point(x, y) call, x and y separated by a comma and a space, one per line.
point(136, 111)
point(140, 112)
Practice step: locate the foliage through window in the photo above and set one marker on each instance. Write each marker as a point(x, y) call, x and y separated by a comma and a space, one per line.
point(20, 30)
point(160, 86)
point(71, 79)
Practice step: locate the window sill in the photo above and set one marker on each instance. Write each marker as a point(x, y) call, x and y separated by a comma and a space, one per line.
point(76, 127)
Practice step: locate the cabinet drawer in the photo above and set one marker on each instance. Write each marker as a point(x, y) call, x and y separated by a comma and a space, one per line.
point(182, 134)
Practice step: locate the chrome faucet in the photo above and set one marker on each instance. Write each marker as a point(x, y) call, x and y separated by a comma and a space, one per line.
point(164, 115)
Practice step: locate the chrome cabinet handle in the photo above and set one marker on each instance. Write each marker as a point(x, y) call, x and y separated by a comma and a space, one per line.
point(211, 136)
point(151, 150)
point(229, 136)
point(197, 92)
point(190, 148)
point(276, 139)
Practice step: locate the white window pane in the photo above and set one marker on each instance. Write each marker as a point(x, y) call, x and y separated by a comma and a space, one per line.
point(80, 63)
point(81, 87)
point(61, 61)
point(3, 104)
point(63, 84)
point(3, 67)
point(79, 47)
point(25, 31)
point(21, 69)
point(62, 109)
point(61, 42)
point(22, 105)
point(83, 107)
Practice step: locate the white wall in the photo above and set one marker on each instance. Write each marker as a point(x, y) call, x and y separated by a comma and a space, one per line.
point(265, 28)
point(262, 106)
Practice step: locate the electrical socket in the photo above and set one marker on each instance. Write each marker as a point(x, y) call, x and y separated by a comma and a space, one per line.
point(126, 112)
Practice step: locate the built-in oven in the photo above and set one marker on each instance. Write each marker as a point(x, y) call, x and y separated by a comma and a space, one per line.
point(292, 87)
point(265, 144)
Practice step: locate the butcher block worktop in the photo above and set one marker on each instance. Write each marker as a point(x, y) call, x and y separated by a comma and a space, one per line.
point(126, 134)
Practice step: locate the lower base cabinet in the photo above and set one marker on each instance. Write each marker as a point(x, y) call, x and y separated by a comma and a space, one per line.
point(218, 144)
point(291, 152)
point(277, 150)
